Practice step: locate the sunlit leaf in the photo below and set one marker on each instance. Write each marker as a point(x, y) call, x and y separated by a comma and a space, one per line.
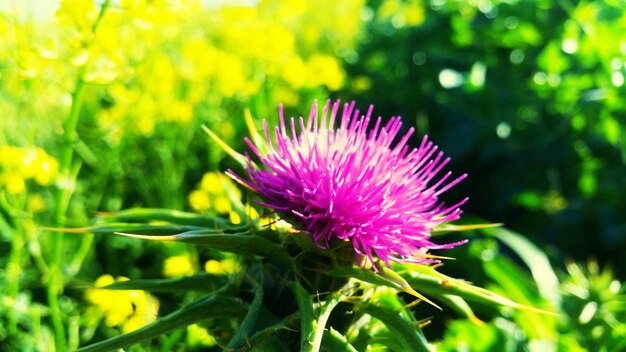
point(515, 284)
point(432, 283)
point(552, 59)
point(444, 228)
point(535, 259)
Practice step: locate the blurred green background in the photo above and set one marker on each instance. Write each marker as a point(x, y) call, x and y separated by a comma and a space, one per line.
point(102, 103)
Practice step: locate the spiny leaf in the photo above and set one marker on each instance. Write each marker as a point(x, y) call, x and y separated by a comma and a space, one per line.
point(434, 283)
point(406, 332)
point(387, 278)
point(320, 324)
point(401, 283)
point(157, 229)
point(360, 274)
point(143, 215)
point(245, 329)
point(335, 341)
point(198, 282)
point(209, 307)
point(307, 317)
point(265, 334)
point(245, 244)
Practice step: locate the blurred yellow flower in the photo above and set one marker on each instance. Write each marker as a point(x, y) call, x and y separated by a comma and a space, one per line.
point(199, 200)
point(130, 309)
point(179, 265)
point(36, 203)
point(14, 183)
point(77, 14)
point(222, 205)
point(155, 62)
point(402, 13)
point(326, 70)
point(295, 72)
point(250, 212)
point(213, 193)
point(234, 218)
point(225, 266)
point(211, 183)
point(18, 165)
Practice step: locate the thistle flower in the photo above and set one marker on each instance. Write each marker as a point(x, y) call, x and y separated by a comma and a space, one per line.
point(351, 184)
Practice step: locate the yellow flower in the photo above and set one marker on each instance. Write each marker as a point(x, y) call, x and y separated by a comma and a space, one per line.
point(213, 193)
point(116, 305)
point(325, 70)
point(211, 183)
point(250, 212)
point(199, 200)
point(146, 311)
point(234, 218)
point(46, 169)
point(36, 203)
point(222, 205)
point(130, 309)
point(14, 183)
point(295, 72)
point(179, 265)
point(21, 164)
point(226, 266)
point(231, 78)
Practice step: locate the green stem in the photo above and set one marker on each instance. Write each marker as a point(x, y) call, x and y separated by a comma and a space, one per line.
point(14, 266)
point(55, 278)
point(86, 240)
point(13, 226)
point(66, 188)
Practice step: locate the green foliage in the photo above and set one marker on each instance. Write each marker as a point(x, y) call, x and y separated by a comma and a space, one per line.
point(523, 95)
point(243, 240)
point(104, 106)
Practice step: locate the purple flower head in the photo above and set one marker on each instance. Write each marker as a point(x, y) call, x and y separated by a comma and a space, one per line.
point(353, 184)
